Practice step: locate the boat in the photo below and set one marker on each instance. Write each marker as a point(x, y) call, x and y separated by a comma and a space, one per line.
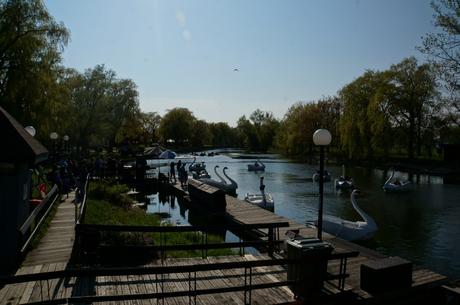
point(258, 166)
point(351, 230)
point(263, 200)
point(397, 186)
point(229, 188)
point(344, 183)
point(326, 177)
point(196, 167)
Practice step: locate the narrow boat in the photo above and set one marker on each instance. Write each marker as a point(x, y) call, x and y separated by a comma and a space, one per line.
point(263, 200)
point(258, 166)
point(351, 230)
point(396, 186)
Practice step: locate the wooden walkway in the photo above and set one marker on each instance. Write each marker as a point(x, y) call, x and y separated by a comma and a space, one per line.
point(56, 246)
point(138, 284)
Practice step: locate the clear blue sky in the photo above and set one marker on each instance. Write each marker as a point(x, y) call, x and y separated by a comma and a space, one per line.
point(183, 53)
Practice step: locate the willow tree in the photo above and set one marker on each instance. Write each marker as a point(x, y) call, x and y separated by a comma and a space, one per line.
point(31, 42)
point(355, 123)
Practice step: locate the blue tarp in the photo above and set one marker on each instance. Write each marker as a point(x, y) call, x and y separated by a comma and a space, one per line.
point(167, 154)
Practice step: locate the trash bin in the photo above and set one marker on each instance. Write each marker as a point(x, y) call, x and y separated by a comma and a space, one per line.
point(309, 273)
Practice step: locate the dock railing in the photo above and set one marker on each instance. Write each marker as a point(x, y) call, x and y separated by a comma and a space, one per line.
point(30, 228)
point(49, 285)
point(271, 240)
point(81, 196)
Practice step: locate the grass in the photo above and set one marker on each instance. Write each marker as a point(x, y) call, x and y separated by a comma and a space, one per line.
point(116, 210)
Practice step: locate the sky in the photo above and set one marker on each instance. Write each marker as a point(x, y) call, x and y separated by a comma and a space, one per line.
point(224, 59)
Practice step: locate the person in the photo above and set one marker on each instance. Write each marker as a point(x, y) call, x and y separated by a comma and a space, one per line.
point(262, 189)
point(172, 172)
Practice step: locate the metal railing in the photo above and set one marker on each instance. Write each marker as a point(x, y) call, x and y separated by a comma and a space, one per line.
point(50, 283)
point(270, 240)
point(81, 193)
point(33, 223)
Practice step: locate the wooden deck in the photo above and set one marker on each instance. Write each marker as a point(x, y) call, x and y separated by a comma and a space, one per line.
point(56, 245)
point(242, 212)
point(54, 251)
point(138, 284)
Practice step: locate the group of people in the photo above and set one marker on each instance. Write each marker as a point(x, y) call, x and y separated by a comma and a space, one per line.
point(181, 172)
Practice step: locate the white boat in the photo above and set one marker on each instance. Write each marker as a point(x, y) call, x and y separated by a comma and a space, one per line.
point(351, 230)
point(258, 166)
point(196, 167)
point(344, 183)
point(264, 201)
point(396, 186)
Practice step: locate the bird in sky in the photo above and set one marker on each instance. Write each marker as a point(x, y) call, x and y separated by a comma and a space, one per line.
point(236, 70)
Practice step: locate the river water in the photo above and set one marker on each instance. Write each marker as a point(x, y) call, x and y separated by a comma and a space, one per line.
point(422, 225)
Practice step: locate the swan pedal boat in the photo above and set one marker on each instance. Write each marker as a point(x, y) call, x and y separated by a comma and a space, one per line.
point(258, 199)
point(257, 167)
point(350, 230)
point(391, 187)
point(344, 184)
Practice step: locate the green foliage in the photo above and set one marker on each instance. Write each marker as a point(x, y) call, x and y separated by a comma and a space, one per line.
point(114, 193)
point(258, 132)
point(177, 125)
point(443, 49)
point(30, 45)
point(302, 120)
point(103, 212)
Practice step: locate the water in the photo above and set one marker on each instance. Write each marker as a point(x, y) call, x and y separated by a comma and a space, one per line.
point(421, 225)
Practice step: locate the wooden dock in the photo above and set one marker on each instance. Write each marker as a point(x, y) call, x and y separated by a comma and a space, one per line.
point(56, 246)
point(54, 252)
point(242, 212)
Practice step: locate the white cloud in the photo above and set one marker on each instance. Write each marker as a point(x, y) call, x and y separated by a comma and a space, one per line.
point(187, 35)
point(181, 19)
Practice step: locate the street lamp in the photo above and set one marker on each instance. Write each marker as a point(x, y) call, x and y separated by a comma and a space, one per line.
point(321, 138)
point(31, 130)
point(54, 136)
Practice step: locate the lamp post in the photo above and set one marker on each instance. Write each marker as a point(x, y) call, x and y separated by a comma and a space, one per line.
point(66, 143)
point(31, 130)
point(54, 136)
point(321, 138)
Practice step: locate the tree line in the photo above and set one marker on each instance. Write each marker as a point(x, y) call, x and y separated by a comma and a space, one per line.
point(404, 110)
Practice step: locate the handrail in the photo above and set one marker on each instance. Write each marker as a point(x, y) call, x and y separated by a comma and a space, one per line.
point(118, 271)
point(48, 202)
point(156, 229)
point(81, 217)
point(161, 270)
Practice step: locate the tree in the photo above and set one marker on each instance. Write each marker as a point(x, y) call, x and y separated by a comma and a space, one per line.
point(30, 45)
point(355, 124)
point(223, 135)
point(443, 49)
point(122, 109)
point(177, 125)
point(150, 124)
point(201, 134)
point(412, 103)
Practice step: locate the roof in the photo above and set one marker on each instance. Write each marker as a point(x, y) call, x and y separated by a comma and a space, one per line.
point(19, 146)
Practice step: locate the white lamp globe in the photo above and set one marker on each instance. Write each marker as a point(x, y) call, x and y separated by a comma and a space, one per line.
point(66, 138)
point(54, 136)
point(322, 137)
point(31, 130)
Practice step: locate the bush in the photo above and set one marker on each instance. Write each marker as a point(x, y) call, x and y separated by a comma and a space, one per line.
point(114, 193)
